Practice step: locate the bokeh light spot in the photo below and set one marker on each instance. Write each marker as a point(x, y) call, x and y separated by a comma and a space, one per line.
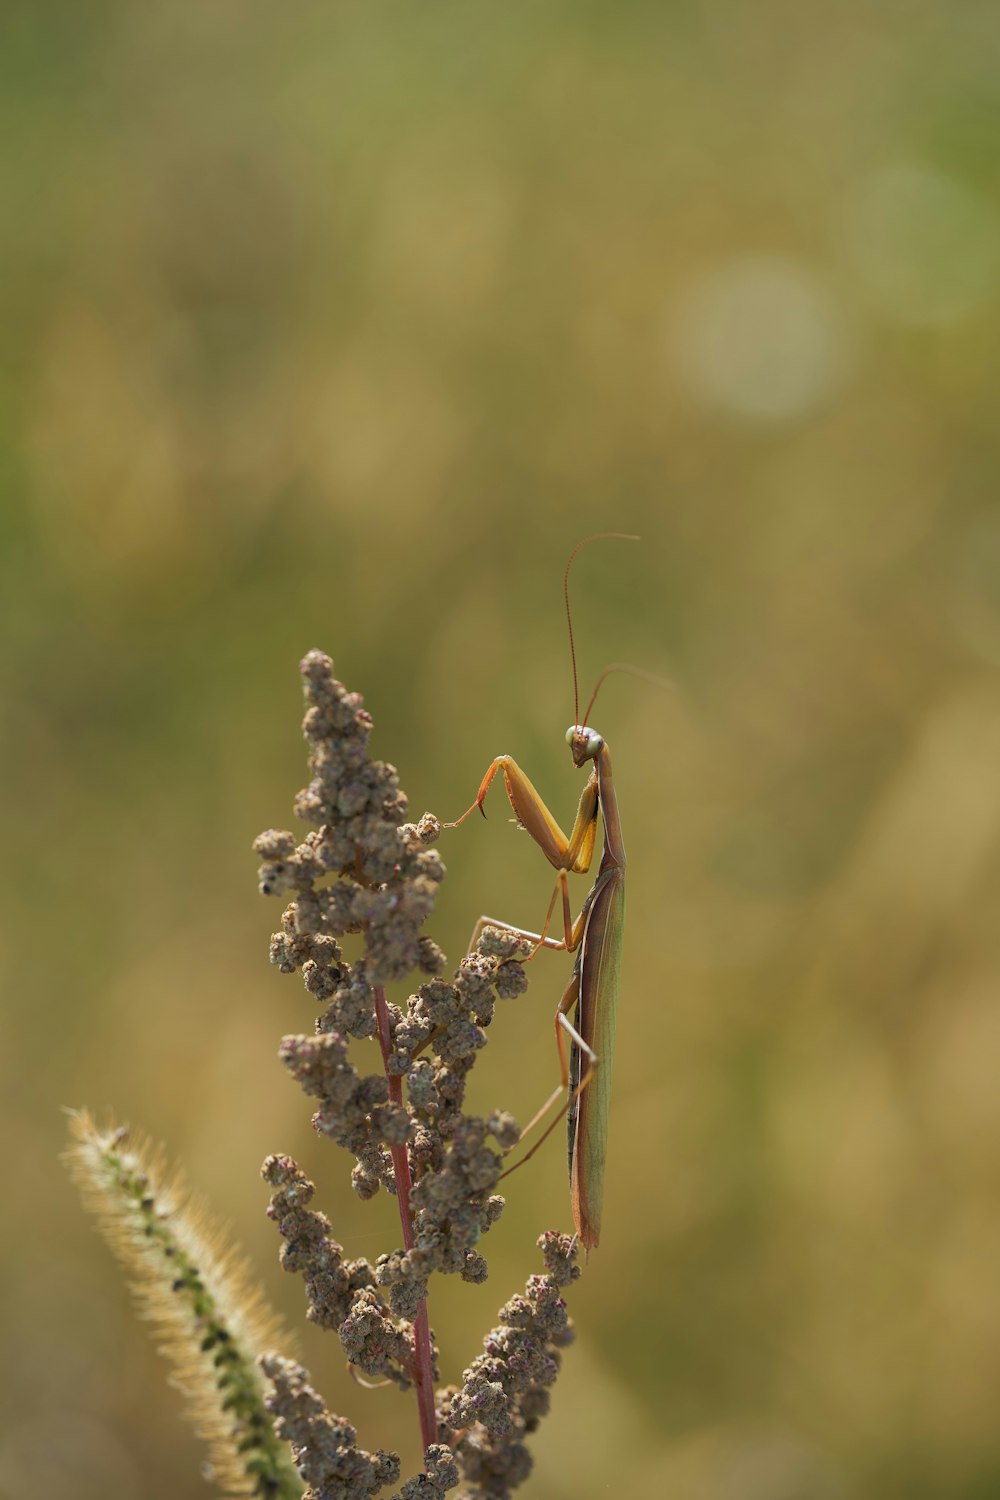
point(759, 338)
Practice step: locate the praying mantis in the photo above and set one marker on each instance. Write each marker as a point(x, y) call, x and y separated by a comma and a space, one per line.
point(595, 937)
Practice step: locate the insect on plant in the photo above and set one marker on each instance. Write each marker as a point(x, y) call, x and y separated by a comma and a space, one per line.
point(595, 937)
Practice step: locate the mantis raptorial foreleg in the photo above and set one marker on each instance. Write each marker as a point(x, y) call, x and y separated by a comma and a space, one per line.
point(570, 855)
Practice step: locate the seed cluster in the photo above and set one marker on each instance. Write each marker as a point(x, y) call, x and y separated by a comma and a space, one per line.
point(505, 1392)
point(324, 1446)
point(340, 1293)
point(363, 872)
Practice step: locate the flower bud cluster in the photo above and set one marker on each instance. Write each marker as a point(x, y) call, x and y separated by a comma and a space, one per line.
point(324, 1447)
point(390, 875)
point(364, 873)
point(341, 1293)
point(505, 1392)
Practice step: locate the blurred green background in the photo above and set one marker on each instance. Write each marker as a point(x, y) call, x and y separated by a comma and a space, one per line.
point(337, 325)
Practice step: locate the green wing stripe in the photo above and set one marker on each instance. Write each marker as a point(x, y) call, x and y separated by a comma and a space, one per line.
point(600, 982)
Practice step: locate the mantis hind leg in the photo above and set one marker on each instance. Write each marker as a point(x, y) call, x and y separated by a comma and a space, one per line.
point(539, 939)
point(564, 1027)
point(572, 931)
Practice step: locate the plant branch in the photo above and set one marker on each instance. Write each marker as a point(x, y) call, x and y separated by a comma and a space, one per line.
point(424, 1370)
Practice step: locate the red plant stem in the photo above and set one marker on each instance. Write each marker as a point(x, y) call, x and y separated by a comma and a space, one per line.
point(424, 1371)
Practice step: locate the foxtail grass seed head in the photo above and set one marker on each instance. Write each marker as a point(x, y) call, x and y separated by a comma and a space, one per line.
point(208, 1315)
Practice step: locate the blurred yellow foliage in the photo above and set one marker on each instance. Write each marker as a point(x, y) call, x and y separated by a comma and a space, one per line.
point(337, 326)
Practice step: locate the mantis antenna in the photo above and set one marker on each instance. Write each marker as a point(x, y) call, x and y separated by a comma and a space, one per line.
point(597, 536)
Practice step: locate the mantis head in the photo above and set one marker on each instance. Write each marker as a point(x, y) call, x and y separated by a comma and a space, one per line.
point(585, 743)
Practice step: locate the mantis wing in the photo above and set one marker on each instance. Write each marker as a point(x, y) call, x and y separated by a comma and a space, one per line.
point(599, 975)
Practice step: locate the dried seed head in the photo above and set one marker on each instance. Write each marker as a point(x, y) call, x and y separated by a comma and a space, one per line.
point(324, 1446)
point(364, 871)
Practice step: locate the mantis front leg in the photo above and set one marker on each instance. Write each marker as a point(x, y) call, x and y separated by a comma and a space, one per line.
point(569, 855)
